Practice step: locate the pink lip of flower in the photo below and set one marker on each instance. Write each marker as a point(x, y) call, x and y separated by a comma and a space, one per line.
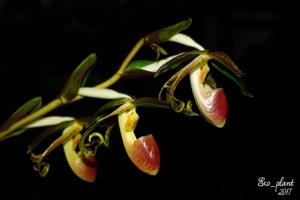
point(84, 167)
point(211, 102)
point(143, 152)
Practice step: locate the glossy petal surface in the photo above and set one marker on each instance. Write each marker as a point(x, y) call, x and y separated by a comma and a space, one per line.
point(84, 167)
point(143, 152)
point(211, 102)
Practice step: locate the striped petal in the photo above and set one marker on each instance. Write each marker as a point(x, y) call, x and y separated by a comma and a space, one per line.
point(143, 152)
point(211, 102)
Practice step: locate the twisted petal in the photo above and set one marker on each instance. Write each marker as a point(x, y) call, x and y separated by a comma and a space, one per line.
point(185, 40)
point(143, 152)
point(84, 166)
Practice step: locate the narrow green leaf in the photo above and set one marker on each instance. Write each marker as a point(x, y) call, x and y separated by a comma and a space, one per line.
point(134, 69)
point(46, 133)
point(110, 105)
point(16, 133)
point(177, 61)
point(165, 34)
point(27, 108)
point(138, 64)
point(78, 77)
point(151, 103)
point(232, 77)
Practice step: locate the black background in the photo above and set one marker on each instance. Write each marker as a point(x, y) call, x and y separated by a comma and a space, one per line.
point(42, 41)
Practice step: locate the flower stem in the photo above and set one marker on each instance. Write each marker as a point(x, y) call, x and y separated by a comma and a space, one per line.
point(114, 78)
point(125, 63)
point(32, 117)
point(61, 101)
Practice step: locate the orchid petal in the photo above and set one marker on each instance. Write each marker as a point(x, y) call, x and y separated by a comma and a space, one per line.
point(84, 166)
point(153, 67)
point(101, 93)
point(49, 121)
point(186, 40)
point(143, 152)
point(211, 102)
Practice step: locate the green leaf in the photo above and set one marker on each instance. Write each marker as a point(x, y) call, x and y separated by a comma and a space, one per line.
point(78, 77)
point(165, 34)
point(177, 61)
point(140, 68)
point(108, 106)
point(232, 77)
point(134, 69)
point(26, 109)
point(138, 64)
point(151, 103)
point(16, 133)
point(46, 133)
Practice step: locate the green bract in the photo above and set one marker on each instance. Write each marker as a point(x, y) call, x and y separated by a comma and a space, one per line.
point(78, 77)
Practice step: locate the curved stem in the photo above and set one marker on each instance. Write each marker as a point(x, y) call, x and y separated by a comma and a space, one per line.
point(60, 101)
point(125, 63)
point(32, 117)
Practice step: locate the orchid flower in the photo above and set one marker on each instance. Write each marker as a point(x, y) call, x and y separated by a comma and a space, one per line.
point(211, 101)
point(143, 152)
point(84, 166)
point(82, 163)
point(79, 137)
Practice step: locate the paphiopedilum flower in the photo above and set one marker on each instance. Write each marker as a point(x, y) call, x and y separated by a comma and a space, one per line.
point(83, 165)
point(211, 101)
point(143, 152)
